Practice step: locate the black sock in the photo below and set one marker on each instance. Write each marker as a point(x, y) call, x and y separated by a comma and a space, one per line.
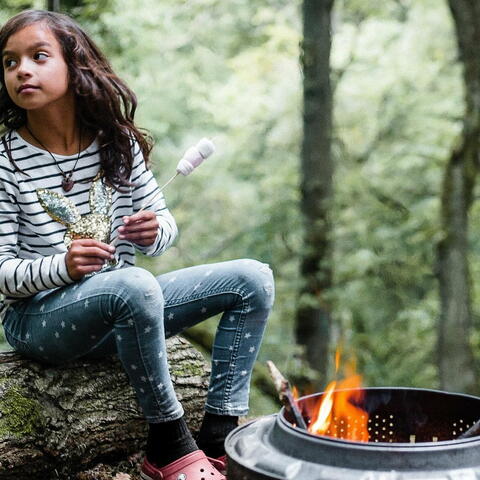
point(213, 432)
point(168, 442)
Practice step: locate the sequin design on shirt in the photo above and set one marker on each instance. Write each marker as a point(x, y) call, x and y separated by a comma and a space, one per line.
point(95, 224)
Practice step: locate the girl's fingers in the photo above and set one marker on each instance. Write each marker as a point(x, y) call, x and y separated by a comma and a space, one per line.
point(142, 235)
point(142, 216)
point(138, 233)
point(86, 269)
point(90, 242)
point(139, 226)
point(85, 261)
point(86, 256)
point(146, 242)
point(80, 251)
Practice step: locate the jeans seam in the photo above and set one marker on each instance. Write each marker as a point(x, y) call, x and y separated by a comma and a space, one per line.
point(174, 416)
point(95, 295)
point(236, 346)
point(208, 293)
point(238, 334)
point(14, 337)
point(147, 370)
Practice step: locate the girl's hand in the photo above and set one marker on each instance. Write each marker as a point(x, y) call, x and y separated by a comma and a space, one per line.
point(86, 256)
point(141, 228)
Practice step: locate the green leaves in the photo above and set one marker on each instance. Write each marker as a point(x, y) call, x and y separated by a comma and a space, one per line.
point(230, 70)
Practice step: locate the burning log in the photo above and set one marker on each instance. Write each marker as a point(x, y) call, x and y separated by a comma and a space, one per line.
point(285, 395)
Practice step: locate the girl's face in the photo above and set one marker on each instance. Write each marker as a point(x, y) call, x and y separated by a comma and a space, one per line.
point(35, 72)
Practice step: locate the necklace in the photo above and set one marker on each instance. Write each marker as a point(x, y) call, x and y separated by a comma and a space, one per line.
point(67, 182)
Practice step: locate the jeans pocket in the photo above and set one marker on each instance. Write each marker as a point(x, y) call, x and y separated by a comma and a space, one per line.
point(12, 327)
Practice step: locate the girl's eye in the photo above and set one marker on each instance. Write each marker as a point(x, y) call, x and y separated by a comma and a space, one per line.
point(40, 56)
point(9, 62)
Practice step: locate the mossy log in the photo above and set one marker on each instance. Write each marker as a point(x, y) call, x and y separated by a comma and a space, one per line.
point(55, 421)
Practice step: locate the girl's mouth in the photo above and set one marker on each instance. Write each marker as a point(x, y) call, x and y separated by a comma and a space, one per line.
point(27, 89)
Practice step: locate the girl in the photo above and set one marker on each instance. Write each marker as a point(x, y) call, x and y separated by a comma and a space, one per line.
point(74, 177)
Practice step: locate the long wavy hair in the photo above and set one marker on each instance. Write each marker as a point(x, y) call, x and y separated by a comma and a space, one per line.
point(104, 103)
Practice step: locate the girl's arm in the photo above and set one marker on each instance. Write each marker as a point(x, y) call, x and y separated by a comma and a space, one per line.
point(22, 277)
point(146, 188)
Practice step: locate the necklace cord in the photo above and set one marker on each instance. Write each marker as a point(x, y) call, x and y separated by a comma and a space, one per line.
point(67, 176)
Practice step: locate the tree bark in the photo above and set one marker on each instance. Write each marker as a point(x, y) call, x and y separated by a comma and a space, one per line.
point(313, 311)
point(456, 360)
point(55, 421)
point(53, 5)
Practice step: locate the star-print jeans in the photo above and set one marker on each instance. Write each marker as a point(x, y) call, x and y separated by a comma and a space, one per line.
point(131, 312)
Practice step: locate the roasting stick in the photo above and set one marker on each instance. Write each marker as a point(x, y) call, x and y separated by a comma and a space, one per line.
point(285, 395)
point(471, 432)
point(191, 159)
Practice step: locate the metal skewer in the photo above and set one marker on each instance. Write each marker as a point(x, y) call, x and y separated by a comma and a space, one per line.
point(191, 159)
point(152, 200)
point(285, 395)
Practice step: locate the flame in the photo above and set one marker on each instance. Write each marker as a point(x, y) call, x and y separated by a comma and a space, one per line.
point(337, 414)
point(324, 413)
point(295, 393)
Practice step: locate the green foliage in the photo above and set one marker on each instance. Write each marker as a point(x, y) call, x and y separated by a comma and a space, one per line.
point(230, 70)
point(398, 107)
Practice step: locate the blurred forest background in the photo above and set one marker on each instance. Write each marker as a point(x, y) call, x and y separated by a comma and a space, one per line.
point(232, 70)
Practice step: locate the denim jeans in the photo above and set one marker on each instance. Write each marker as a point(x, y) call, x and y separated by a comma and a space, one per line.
point(131, 312)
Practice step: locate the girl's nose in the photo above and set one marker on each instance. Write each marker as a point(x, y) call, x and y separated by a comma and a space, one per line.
point(23, 70)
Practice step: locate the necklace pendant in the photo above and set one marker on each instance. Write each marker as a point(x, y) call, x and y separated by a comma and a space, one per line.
point(67, 184)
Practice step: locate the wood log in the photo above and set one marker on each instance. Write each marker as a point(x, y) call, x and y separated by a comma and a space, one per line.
point(55, 421)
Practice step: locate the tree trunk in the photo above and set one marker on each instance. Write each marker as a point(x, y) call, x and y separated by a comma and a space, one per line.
point(55, 421)
point(53, 5)
point(313, 312)
point(456, 364)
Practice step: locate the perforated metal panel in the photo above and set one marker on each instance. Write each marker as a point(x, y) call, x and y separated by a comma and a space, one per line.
point(412, 436)
point(405, 416)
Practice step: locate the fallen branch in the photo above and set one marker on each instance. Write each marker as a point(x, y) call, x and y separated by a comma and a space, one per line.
point(286, 396)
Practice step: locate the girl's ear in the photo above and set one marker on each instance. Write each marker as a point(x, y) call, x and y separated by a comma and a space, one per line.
point(60, 208)
point(100, 197)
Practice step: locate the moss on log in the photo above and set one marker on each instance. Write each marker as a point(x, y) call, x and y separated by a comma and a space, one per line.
point(56, 421)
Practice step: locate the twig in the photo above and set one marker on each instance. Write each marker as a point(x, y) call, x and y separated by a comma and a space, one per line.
point(285, 395)
point(471, 432)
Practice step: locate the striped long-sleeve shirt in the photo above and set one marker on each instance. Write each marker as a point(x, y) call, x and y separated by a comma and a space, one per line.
point(32, 249)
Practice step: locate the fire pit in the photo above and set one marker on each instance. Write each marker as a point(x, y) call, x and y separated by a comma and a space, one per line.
point(412, 434)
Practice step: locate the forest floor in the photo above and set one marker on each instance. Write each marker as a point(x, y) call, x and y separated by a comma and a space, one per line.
point(126, 470)
point(129, 469)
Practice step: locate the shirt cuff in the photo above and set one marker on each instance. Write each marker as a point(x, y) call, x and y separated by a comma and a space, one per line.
point(61, 271)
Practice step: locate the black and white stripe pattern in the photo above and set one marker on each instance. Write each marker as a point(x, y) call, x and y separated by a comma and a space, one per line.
point(32, 251)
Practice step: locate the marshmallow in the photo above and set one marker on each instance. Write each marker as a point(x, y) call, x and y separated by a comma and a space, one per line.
point(194, 156)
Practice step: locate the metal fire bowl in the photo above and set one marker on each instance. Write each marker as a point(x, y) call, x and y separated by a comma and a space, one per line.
point(272, 448)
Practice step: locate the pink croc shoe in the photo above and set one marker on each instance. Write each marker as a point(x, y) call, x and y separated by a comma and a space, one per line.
point(219, 463)
point(194, 466)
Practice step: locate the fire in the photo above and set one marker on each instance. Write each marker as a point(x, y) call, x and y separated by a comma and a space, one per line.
point(295, 393)
point(337, 414)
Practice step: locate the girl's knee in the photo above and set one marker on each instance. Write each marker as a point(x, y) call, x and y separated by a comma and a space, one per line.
point(136, 284)
point(257, 278)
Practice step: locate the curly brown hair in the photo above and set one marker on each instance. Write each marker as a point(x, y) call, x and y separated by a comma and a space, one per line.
point(104, 103)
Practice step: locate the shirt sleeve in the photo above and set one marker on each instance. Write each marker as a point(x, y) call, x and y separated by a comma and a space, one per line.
point(22, 277)
point(145, 192)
